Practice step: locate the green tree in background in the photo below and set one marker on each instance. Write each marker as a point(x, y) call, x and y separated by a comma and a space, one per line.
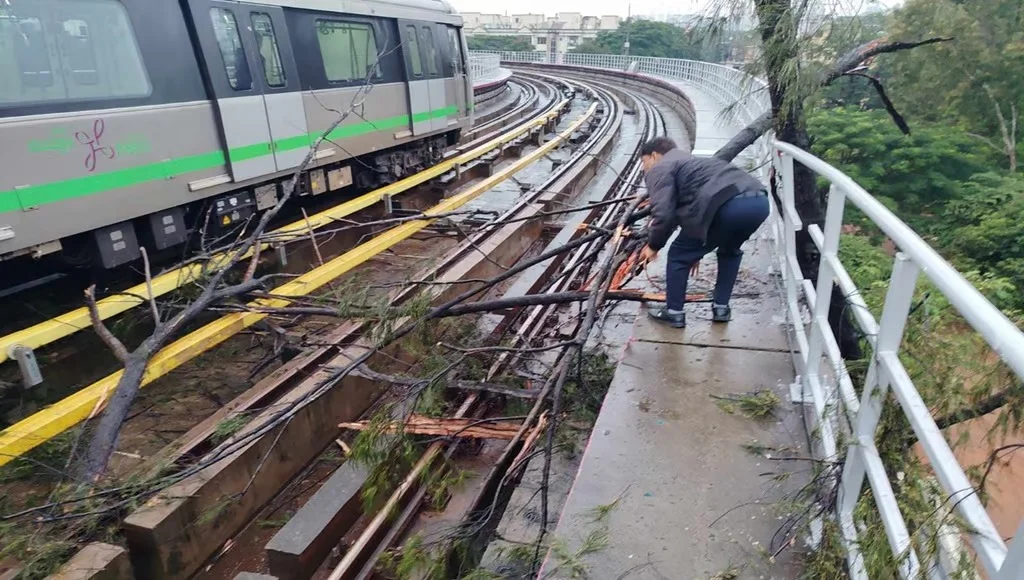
point(500, 43)
point(975, 82)
point(985, 231)
point(940, 181)
point(650, 38)
point(914, 174)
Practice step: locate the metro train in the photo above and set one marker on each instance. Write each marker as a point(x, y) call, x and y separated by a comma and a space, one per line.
point(137, 123)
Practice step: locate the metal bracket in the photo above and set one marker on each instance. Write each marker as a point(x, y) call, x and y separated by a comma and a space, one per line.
point(796, 394)
point(27, 363)
point(388, 206)
point(282, 254)
point(814, 533)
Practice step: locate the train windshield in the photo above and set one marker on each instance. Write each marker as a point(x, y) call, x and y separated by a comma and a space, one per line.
point(68, 50)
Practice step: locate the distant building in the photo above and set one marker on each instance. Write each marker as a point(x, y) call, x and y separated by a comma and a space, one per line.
point(559, 33)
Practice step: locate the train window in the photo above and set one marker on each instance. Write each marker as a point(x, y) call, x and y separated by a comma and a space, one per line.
point(348, 49)
point(23, 38)
point(76, 45)
point(413, 49)
point(428, 42)
point(456, 50)
point(236, 66)
point(66, 50)
point(270, 56)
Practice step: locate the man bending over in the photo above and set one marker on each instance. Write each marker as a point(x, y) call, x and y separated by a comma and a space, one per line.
point(715, 204)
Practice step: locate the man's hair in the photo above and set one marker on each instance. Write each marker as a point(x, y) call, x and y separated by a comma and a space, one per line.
point(660, 145)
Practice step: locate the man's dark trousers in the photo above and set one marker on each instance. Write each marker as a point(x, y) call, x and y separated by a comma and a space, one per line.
point(733, 224)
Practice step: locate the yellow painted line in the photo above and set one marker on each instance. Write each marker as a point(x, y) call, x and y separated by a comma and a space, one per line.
point(50, 422)
point(67, 324)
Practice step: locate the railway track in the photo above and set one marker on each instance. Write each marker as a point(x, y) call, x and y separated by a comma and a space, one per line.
point(286, 408)
point(528, 328)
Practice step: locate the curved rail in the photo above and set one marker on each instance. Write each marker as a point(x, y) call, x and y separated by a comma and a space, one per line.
point(360, 549)
point(478, 238)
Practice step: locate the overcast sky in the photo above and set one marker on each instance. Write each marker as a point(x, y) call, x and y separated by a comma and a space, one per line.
point(600, 7)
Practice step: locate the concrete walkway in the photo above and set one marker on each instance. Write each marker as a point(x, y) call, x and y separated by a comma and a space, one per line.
point(713, 129)
point(676, 482)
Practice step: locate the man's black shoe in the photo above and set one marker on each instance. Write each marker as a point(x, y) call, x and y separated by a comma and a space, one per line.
point(663, 316)
point(720, 313)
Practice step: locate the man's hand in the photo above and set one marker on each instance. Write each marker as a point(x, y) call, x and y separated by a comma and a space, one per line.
point(649, 254)
point(695, 268)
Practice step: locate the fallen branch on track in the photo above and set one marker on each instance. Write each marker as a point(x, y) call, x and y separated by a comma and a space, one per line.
point(488, 305)
point(214, 289)
point(460, 385)
point(467, 428)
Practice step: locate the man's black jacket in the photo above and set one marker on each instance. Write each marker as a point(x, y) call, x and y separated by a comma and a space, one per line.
point(686, 191)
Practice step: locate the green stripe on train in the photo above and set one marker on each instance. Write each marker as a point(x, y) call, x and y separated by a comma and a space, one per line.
point(37, 195)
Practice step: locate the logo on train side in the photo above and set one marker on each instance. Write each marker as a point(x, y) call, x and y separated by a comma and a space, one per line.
point(92, 141)
point(96, 148)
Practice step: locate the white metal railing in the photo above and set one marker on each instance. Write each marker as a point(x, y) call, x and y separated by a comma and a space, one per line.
point(820, 368)
point(832, 392)
point(484, 67)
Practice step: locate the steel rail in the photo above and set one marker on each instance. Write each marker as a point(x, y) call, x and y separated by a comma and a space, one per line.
point(653, 123)
point(653, 126)
point(528, 100)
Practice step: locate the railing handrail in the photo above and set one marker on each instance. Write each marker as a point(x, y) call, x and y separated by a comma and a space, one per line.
point(1002, 334)
point(832, 393)
point(484, 66)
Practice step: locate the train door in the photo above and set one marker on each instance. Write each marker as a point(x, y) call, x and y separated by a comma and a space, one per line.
point(248, 58)
point(425, 77)
point(457, 61)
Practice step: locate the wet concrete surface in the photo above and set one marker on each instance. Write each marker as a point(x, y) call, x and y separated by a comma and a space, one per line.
point(690, 499)
point(757, 309)
point(713, 129)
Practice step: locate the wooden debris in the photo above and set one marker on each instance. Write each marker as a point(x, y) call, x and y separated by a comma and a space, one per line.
point(468, 428)
point(528, 444)
point(344, 447)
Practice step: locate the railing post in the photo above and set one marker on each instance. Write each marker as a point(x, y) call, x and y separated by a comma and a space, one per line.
point(876, 386)
point(1013, 565)
point(792, 274)
point(823, 304)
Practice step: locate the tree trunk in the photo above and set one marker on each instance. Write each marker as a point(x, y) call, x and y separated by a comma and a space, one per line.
point(780, 43)
point(104, 440)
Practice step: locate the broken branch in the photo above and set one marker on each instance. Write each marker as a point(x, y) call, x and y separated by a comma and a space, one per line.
point(469, 428)
point(115, 345)
point(844, 65)
point(889, 107)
